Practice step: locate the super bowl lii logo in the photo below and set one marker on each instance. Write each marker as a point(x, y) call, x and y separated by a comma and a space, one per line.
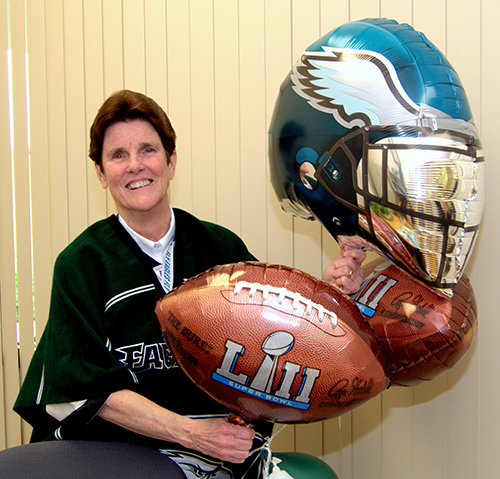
point(371, 292)
point(274, 346)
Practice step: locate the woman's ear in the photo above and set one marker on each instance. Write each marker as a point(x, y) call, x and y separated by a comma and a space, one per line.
point(172, 164)
point(101, 176)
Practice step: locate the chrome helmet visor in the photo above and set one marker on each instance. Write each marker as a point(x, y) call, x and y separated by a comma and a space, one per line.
point(419, 195)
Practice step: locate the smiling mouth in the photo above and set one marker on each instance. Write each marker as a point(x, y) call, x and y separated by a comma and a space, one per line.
point(138, 184)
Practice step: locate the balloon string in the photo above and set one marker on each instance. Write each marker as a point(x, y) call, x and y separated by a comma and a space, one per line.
point(268, 454)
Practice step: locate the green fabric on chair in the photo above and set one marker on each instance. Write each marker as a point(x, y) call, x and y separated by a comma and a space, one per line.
point(304, 466)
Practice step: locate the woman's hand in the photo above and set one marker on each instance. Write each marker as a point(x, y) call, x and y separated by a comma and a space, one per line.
point(345, 272)
point(220, 439)
point(216, 437)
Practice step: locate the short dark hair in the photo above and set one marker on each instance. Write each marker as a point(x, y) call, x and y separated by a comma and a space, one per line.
point(127, 105)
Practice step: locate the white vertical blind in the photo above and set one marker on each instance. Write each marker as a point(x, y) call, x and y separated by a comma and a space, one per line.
point(216, 67)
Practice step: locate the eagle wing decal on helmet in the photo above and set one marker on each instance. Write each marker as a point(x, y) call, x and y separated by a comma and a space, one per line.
point(359, 88)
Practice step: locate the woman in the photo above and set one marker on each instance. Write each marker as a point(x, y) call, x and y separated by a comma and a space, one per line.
point(101, 370)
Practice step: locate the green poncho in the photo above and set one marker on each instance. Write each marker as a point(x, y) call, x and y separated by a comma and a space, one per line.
point(102, 334)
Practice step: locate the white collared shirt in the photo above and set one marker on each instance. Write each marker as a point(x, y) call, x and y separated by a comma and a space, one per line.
point(161, 251)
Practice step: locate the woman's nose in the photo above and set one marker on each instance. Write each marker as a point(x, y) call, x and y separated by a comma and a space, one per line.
point(134, 163)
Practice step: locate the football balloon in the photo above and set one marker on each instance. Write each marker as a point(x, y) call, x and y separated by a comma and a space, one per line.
point(272, 342)
point(422, 333)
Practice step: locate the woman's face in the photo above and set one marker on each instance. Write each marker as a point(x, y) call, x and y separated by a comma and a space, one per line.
point(136, 168)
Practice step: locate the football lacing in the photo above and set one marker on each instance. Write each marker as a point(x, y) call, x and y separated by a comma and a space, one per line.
point(283, 294)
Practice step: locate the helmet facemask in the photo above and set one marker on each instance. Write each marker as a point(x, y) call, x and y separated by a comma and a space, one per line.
point(418, 195)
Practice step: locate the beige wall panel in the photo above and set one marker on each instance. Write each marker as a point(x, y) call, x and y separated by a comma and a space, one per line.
point(278, 63)
point(179, 99)
point(283, 438)
point(359, 9)
point(56, 133)
point(21, 188)
point(279, 237)
point(253, 126)
point(5, 207)
point(227, 114)
point(429, 17)
point(462, 397)
point(75, 117)
point(333, 14)
point(22, 195)
point(40, 185)
point(307, 246)
point(429, 429)
point(463, 22)
point(94, 96)
point(203, 111)
point(309, 438)
point(397, 437)
point(486, 281)
point(156, 51)
point(399, 10)
point(367, 440)
point(345, 456)
point(134, 62)
point(337, 451)
point(463, 415)
point(11, 430)
point(113, 46)
point(305, 25)
point(329, 247)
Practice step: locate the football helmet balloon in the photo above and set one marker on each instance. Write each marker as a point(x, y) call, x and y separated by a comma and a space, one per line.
point(372, 135)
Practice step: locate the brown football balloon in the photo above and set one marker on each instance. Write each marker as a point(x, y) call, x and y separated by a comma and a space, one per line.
point(272, 342)
point(422, 333)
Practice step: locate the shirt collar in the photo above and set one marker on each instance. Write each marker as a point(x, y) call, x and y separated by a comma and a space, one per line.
point(155, 249)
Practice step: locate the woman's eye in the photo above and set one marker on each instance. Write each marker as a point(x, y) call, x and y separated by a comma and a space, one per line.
point(118, 156)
